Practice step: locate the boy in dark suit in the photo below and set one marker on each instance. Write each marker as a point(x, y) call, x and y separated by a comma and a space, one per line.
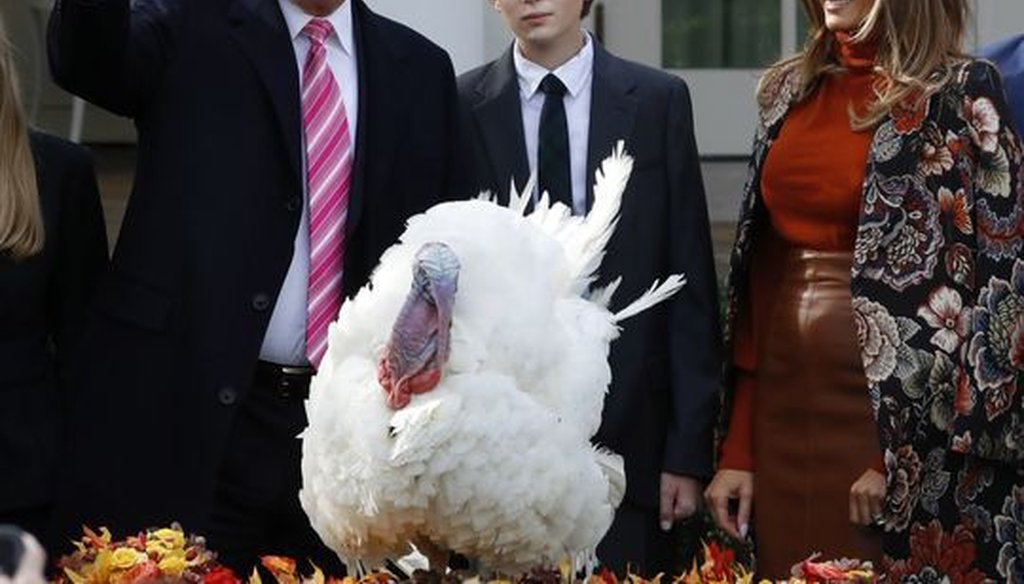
point(282, 146)
point(555, 104)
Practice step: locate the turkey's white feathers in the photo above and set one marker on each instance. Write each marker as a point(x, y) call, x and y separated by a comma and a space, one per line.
point(420, 428)
point(518, 202)
point(615, 471)
point(599, 225)
point(585, 239)
point(656, 294)
point(496, 461)
point(604, 296)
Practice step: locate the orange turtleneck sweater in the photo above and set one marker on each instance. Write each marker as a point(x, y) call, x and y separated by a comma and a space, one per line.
point(811, 184)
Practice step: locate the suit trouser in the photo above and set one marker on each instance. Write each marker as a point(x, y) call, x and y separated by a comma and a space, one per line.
point(256, 508)
point(636, 542)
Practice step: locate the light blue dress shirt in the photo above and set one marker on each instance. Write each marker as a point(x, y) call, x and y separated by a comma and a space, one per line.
point(285, 340)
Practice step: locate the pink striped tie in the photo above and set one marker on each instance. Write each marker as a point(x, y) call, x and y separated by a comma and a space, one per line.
point(328, 176)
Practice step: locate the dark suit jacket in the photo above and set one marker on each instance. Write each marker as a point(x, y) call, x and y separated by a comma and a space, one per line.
point(208, 235)
point(660, 411)
point(1008, 55)
point(42, 307)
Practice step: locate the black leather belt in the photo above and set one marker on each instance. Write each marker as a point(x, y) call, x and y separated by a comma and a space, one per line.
point(283, 381)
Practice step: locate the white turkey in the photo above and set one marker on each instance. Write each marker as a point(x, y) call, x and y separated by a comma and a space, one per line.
point(460, 390)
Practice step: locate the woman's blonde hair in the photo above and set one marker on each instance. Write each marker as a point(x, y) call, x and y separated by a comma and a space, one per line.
point(21, 219)
point(917, 41)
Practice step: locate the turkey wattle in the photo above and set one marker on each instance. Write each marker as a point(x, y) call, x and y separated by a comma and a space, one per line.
point(461, 388)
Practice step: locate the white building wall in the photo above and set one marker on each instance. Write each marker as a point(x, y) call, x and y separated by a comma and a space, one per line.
point(997, 19)
point(459, 27)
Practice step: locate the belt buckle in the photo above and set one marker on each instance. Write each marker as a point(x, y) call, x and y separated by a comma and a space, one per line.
point(284, 390)
point(289, 377)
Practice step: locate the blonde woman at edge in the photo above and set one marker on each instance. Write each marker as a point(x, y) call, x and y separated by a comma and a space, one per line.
point(875, 306)
point(53, 248)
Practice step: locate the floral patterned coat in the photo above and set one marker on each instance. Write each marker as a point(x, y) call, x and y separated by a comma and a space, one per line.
point(937, 276)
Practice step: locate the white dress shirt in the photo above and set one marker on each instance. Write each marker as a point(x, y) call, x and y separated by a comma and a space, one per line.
point(577, 75)
point(285, 341)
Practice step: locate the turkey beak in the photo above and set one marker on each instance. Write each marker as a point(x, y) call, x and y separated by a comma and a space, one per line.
point(420, 341)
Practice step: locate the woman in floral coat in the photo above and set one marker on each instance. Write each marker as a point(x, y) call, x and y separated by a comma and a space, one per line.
point(882, 146)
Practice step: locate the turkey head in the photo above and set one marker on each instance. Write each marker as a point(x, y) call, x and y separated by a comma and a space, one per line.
point(418, 347)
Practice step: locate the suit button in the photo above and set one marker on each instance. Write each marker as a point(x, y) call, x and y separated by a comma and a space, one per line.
point(261, 302)
point(227, 396)
point(293, 204)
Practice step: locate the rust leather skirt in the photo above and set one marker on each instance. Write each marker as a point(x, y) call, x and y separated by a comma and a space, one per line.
point(814, 434)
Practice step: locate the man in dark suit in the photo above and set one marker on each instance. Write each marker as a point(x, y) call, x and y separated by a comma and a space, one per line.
point(555, 104)
point(282, 145)
point(1008, 55)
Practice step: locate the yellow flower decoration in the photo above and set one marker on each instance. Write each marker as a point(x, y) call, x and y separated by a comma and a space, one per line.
point(125, 558)
point(173, 565)
point(105, 535)
point(74, 576)
point(318, 576)
point(169, 538)
point(101, 566)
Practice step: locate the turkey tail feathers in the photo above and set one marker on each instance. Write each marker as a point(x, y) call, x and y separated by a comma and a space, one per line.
point(604, 296)
point(614, 470)
point(518, 202)
point(583, 238)
point(657, 293)
point(599, 225)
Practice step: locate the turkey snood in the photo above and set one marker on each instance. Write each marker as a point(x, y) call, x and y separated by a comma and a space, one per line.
point(419, 344)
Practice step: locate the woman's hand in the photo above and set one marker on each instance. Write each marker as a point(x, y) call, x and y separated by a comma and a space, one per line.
point(867, 496)
point(731, 485)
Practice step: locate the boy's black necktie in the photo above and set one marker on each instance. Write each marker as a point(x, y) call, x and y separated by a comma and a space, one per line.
point(553, 167)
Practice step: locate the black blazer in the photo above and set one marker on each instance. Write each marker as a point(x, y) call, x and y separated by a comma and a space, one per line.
point(660, 411)
point(42, 307)
point(207, 239)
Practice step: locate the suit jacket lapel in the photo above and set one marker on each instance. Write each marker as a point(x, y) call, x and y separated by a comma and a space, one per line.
point(259, 28)
point(612, 112)
point(499, 114)
point(383, 105)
